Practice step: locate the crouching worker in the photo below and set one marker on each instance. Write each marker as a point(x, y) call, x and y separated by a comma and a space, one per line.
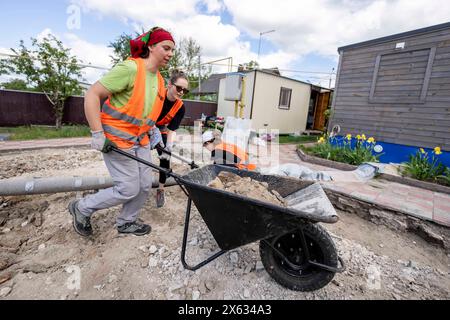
point(169, 120)
point(231, 155)
point(135, 95)
point(227, 154)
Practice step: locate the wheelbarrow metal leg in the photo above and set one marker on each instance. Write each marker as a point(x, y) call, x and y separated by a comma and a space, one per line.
point(328, 268)
point(183, 248)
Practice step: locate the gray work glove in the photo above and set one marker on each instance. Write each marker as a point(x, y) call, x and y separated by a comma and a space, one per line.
point(100, 142)
point(155, 137)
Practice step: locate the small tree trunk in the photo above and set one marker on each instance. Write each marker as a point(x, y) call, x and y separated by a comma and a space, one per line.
point(58, 122)
point(59, 107)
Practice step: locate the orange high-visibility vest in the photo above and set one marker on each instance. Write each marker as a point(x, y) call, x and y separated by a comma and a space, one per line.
point(125, 126)
point(169, 116)
point(239, 153)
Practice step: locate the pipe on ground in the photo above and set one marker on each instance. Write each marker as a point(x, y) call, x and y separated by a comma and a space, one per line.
point(29, 186)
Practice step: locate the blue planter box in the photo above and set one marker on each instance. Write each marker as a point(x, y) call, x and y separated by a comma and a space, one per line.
point(398, 153)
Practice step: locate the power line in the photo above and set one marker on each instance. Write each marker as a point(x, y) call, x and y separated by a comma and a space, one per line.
point(284, 70)
point(82, 65)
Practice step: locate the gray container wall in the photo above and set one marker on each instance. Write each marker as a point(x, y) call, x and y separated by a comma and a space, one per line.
point(18, 108)
point(395, 115)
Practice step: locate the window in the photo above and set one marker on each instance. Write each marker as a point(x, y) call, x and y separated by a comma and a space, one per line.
point(285, 98)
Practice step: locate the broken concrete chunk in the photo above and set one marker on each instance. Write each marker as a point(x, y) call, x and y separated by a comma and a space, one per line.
point(216, 184)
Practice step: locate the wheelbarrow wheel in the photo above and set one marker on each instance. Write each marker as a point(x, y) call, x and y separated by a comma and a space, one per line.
point(296, 273)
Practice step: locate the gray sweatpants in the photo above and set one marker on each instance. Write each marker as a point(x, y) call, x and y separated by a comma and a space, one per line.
point(132, 184)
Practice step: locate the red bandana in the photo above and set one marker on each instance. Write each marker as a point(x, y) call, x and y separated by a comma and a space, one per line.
point(152, 37)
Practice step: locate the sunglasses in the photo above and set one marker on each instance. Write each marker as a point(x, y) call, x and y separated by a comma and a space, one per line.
point(181, 89)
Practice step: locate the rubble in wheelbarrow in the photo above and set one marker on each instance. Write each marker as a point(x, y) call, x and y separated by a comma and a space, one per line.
point(247, 187)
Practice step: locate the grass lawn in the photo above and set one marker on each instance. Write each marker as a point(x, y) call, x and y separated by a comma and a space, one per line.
point(45, 132)
point(299, 139)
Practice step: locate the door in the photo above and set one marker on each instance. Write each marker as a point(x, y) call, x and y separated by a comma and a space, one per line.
point(319, 115)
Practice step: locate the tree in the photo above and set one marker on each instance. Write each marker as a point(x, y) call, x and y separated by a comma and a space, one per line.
point(248, 66)
point(17, 84)
point(190, 51)
point(48, 67)
point(121, 47)
point(185, 56)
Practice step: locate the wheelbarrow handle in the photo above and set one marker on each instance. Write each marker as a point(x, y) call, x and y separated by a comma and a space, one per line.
point(188, 161)
point(154, 166)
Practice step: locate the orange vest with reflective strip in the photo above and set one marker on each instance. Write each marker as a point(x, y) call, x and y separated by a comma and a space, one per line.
point(125, 126)
point(238, 152)
point(169, 116)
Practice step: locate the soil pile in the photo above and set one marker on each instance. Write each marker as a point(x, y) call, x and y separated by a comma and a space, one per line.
point(246, 187)
point(42, 257)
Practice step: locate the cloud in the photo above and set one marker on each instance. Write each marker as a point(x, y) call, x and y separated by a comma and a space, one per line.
point(97, 55)
point(144, 11)
point(44, 34)
point(321, 26)
point(184, 19)
point(212, 5)
point(303, 28)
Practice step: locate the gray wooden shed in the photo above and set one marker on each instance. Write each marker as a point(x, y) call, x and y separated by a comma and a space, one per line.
point(396, 88)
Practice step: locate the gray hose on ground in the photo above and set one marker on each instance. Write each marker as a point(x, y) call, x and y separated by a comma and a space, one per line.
point(29, 186)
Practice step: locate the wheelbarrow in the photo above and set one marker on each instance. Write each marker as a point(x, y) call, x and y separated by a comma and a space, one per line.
point(297, 252)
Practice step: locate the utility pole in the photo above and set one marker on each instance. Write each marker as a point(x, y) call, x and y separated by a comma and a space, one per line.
point(260, 35)
point(199, 77)
point(331, 75)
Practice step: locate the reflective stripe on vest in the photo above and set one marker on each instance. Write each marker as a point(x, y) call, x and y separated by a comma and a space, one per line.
point(121, 116)
point(123, 135)
point(125, 126)
point(239, 153)
point(171, 114)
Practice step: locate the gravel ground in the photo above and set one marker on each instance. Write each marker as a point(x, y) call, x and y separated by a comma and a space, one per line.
point(41, 257)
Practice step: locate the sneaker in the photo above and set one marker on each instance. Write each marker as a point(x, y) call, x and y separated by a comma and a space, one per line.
point(81, 223)
point(160, 198)
point(136, 228)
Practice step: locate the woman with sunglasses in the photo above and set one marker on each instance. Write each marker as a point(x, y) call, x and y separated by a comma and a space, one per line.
point(169, 120)
point(134, 92)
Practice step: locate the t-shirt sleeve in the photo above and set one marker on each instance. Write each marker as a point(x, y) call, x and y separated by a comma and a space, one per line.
point(176, 121)
point(121, 77)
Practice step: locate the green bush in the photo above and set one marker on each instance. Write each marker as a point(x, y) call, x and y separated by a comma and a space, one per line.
point(421, 167)
point(445, 177)
point(361, 152)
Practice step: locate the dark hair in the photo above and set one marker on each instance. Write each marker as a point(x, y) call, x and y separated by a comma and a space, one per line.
point(145, 52)
point(177, 74)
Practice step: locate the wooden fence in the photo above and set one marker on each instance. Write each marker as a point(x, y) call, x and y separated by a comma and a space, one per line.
point(19, 108)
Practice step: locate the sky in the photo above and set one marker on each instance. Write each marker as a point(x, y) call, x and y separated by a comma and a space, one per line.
point(303, 44)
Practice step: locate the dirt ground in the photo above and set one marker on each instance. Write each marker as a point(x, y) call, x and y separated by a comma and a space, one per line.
point(41, 257)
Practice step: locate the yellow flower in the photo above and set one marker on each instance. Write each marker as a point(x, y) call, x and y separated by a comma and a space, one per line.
point(321, 140)
point(437, 151)
point(363, 137)
point(358, 137)
point(421, 150)
point(349, 137)
point(371, 140)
